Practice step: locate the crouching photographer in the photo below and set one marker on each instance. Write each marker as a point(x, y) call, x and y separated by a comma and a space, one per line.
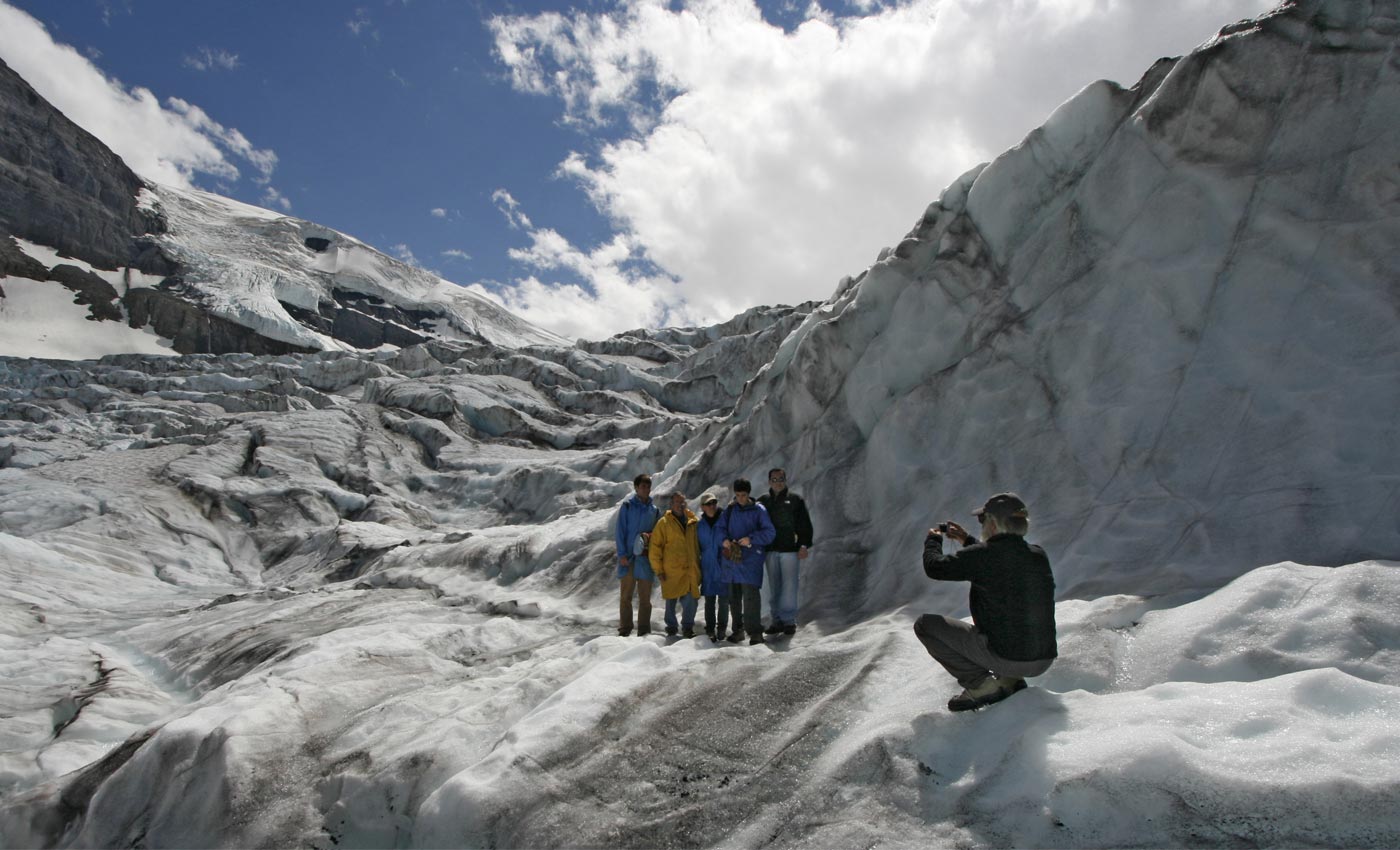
point(1012, 634)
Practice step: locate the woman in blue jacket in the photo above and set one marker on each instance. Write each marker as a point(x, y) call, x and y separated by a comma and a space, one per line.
point(714, 577)
point(746, 531)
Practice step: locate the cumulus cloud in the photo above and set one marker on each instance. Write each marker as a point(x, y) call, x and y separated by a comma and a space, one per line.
point(172, 143)
point(207, 59)
point(760, 165)
point(273, 198)
point(620, 289)
point(405, 253)
point(510, 208)
point(438, 212)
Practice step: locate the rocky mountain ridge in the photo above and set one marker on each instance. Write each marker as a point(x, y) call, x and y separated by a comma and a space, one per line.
point(60, 186)
point(208, 274)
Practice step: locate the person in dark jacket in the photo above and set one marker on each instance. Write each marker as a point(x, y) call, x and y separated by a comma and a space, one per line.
point(1012, 635)
point(793, 526)
point(746, 531)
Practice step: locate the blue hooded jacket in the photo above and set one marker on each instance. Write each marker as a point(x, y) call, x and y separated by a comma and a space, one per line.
point(714, 577)
point(633, 517)
point(749, 521)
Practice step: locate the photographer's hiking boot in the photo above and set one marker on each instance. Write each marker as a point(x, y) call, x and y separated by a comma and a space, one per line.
point(1012, 684)
point(992, 690)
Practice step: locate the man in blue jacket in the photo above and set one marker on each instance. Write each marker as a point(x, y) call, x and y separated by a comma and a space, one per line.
point(635, 519)
point(746, 531)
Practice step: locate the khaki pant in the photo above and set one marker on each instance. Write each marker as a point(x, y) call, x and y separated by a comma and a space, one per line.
point(643, 590)
point(963, 652)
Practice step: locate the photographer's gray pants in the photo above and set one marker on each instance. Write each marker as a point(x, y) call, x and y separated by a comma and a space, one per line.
point(963, 652)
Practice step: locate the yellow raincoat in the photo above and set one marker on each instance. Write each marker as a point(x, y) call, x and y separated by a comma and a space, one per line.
point(675, 554)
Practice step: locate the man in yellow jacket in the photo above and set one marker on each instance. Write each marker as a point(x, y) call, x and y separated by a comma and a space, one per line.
point(674, 553)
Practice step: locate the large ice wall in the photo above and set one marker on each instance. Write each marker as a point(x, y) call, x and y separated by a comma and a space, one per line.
point(1168, 318)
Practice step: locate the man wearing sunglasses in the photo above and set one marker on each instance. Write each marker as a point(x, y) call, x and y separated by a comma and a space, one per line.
point(794, 539)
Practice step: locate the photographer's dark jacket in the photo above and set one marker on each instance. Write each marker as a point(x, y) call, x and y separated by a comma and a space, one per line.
point(1013, 592)
point(790, 519)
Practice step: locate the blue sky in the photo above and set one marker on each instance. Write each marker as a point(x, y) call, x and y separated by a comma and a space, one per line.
point(600, 166)
point(378, 113)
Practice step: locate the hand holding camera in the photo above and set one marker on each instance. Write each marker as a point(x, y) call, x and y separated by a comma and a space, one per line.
point(950, 529)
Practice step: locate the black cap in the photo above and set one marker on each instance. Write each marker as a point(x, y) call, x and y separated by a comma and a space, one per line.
point(1003, 505)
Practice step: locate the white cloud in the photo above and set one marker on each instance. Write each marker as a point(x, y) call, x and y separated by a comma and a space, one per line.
point(405, 253)
point(456, 254)
point(438, 212)
point(361, 23)
point(172, 143)
point(510, 208)
point(273, 198)
point(759, 165)
point(107, 10)
point(207, 59)
point(620, 291)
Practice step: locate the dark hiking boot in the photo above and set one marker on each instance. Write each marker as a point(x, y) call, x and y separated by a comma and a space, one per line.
point(643, 632)
point(736, 636)
point(710, 633)
point(991, 691)
point(671, 630)
point(756, 639)
point(688, 634)
point(790, 629)
point(775, 629)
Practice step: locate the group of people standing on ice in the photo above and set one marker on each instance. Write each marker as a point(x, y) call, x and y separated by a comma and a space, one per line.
point(722, 556)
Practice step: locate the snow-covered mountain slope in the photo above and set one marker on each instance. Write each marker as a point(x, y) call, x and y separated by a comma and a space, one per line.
point(246, 279)
point(318, 289)
point(83, 237)
point(367, 599)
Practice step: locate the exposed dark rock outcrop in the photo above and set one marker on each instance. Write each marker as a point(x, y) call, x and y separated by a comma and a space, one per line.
point(193, 329)
point(61, 187)
point(363, 320)
point(98, 294)
point(15, 262)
